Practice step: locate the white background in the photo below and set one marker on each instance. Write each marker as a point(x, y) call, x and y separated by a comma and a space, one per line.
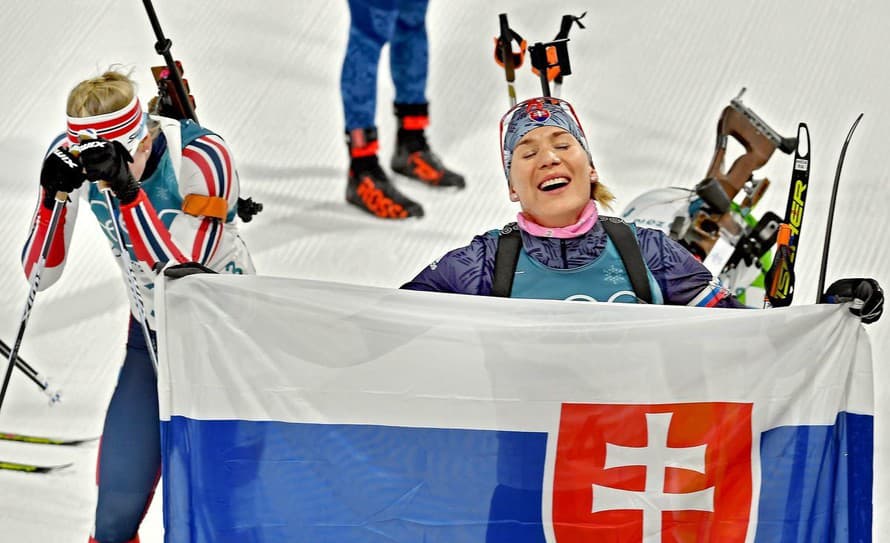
point(650, 81)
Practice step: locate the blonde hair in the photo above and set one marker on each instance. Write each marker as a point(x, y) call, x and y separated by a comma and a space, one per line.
point(108, 92)
point(602, 195)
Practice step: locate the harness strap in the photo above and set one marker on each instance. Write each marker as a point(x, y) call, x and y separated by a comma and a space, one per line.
point(505, 259)
point(626, 242)
point(208, 206)
point(621, 234)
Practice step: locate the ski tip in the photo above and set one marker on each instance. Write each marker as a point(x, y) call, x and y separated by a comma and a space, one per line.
point(42, 440)
point(32, 468)
point(855, 123)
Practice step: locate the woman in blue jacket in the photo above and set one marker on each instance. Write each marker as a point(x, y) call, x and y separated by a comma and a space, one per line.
point(560, 247)
point(566, 252)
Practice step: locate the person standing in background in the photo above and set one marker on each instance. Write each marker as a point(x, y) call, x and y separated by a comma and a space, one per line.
point(402, 24)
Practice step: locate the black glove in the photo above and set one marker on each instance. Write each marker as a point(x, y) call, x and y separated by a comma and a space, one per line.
point(106, 160)
point(61, 172)
point(866, 295)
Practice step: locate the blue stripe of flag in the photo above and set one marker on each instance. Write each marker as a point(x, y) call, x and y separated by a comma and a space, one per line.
point(232, 480)
point(235, 481)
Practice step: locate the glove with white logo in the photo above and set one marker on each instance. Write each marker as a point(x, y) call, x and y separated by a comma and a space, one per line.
point(108, 161)
point(61, 172)
point(865, 293)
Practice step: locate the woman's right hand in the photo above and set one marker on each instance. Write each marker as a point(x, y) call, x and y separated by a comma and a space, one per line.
point(61, 172)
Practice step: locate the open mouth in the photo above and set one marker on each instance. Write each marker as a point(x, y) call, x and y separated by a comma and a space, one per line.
point(553, 184)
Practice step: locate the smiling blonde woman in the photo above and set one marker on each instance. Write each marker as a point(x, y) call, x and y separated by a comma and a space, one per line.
point(560, 247)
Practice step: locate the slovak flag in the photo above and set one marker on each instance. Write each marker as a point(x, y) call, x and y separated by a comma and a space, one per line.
point(295, 410)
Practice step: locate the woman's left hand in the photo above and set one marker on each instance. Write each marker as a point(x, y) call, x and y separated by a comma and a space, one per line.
point(865, 293)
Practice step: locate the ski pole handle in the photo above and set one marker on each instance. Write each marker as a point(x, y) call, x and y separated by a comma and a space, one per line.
point(505, 57)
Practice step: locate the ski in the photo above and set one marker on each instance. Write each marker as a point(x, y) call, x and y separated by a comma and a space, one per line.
point(42, 440)
point(837, 177)
point(780, 289)
point(32, 468)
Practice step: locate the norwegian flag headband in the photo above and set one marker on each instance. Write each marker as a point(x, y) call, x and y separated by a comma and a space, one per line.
point(126, 125)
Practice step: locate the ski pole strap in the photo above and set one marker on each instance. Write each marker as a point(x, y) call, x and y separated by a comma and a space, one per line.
point(504, 55)
point(505, 259)
point(625, 241)
point(199, 205)
point(565, 25)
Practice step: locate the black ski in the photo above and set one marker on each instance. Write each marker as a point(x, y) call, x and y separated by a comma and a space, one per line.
point(780, 286)
point(41, 440)
point(32, 468)
point(837, 177)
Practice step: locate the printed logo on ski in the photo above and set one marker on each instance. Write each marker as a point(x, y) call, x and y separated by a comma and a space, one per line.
point(653, 473)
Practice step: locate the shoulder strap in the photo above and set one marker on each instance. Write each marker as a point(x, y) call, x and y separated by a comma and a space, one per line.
point(505, 259)
point(625, 241)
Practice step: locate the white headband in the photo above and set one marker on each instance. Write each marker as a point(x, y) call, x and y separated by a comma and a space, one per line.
point(126, 125)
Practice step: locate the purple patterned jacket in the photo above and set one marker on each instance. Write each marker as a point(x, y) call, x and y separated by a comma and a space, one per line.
point(683, 280)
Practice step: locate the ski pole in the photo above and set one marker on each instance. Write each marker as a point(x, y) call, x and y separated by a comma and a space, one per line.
point(135, 296)
point(58, 206)
point(837, 177)
point(506, 58)
point(162, 47)
point(565, 26)
point(31, 373)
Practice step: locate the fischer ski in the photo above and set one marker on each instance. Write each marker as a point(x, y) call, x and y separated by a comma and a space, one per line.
point(780, 286)
point(42, 440)
point(837, 177)
point(32, 468)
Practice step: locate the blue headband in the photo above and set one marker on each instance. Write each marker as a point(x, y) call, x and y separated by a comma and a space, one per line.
point(535, 113)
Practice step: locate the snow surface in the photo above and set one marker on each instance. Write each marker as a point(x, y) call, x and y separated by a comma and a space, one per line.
point(650, 81)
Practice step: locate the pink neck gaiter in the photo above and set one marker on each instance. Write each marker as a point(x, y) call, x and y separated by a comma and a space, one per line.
point(585, 222)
